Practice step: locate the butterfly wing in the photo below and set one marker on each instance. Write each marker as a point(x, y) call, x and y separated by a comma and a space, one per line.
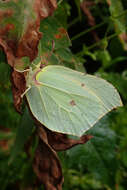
point(70, 102)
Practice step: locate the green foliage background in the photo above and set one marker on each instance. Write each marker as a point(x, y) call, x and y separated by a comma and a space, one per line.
point(101, 164)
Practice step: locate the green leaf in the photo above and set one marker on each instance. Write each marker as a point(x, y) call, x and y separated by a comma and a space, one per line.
point(68, 101)
point(5, 135)
point(98, 155)
point(53, 30)
point(16, 15)
point(23, 133)
point(118, 80)
point(116, 8)
point(60, 54)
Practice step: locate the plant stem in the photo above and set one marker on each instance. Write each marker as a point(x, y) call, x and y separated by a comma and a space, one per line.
point(98, 43)
point(73, 22)
point(94, 27)
point(107, 38)
point(88, 30)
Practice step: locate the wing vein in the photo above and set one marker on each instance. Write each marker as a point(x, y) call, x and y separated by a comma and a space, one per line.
point(42, 100)
point(75, 94)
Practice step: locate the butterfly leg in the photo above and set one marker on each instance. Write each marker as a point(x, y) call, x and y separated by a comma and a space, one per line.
point(26, 91)
point(21, 71)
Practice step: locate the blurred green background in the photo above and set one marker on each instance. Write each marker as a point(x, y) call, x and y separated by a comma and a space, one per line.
point(98, 33)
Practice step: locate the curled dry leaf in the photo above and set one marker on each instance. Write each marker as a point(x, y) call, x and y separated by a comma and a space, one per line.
point(46, 164)
point(60, 142)
point(19, 34)
point(18, 87)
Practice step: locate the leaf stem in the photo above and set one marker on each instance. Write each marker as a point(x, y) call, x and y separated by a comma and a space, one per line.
point(110, 18)
point(99, 42)
point(88, 30)
point(107, 38)
point(73, 22)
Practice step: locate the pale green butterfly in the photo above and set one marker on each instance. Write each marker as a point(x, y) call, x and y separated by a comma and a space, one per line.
point(68, 101)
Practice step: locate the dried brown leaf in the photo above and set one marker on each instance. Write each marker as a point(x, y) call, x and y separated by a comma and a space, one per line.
point(20, 38)
point(18, 87)
point(47, 165)
point(60, 142)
